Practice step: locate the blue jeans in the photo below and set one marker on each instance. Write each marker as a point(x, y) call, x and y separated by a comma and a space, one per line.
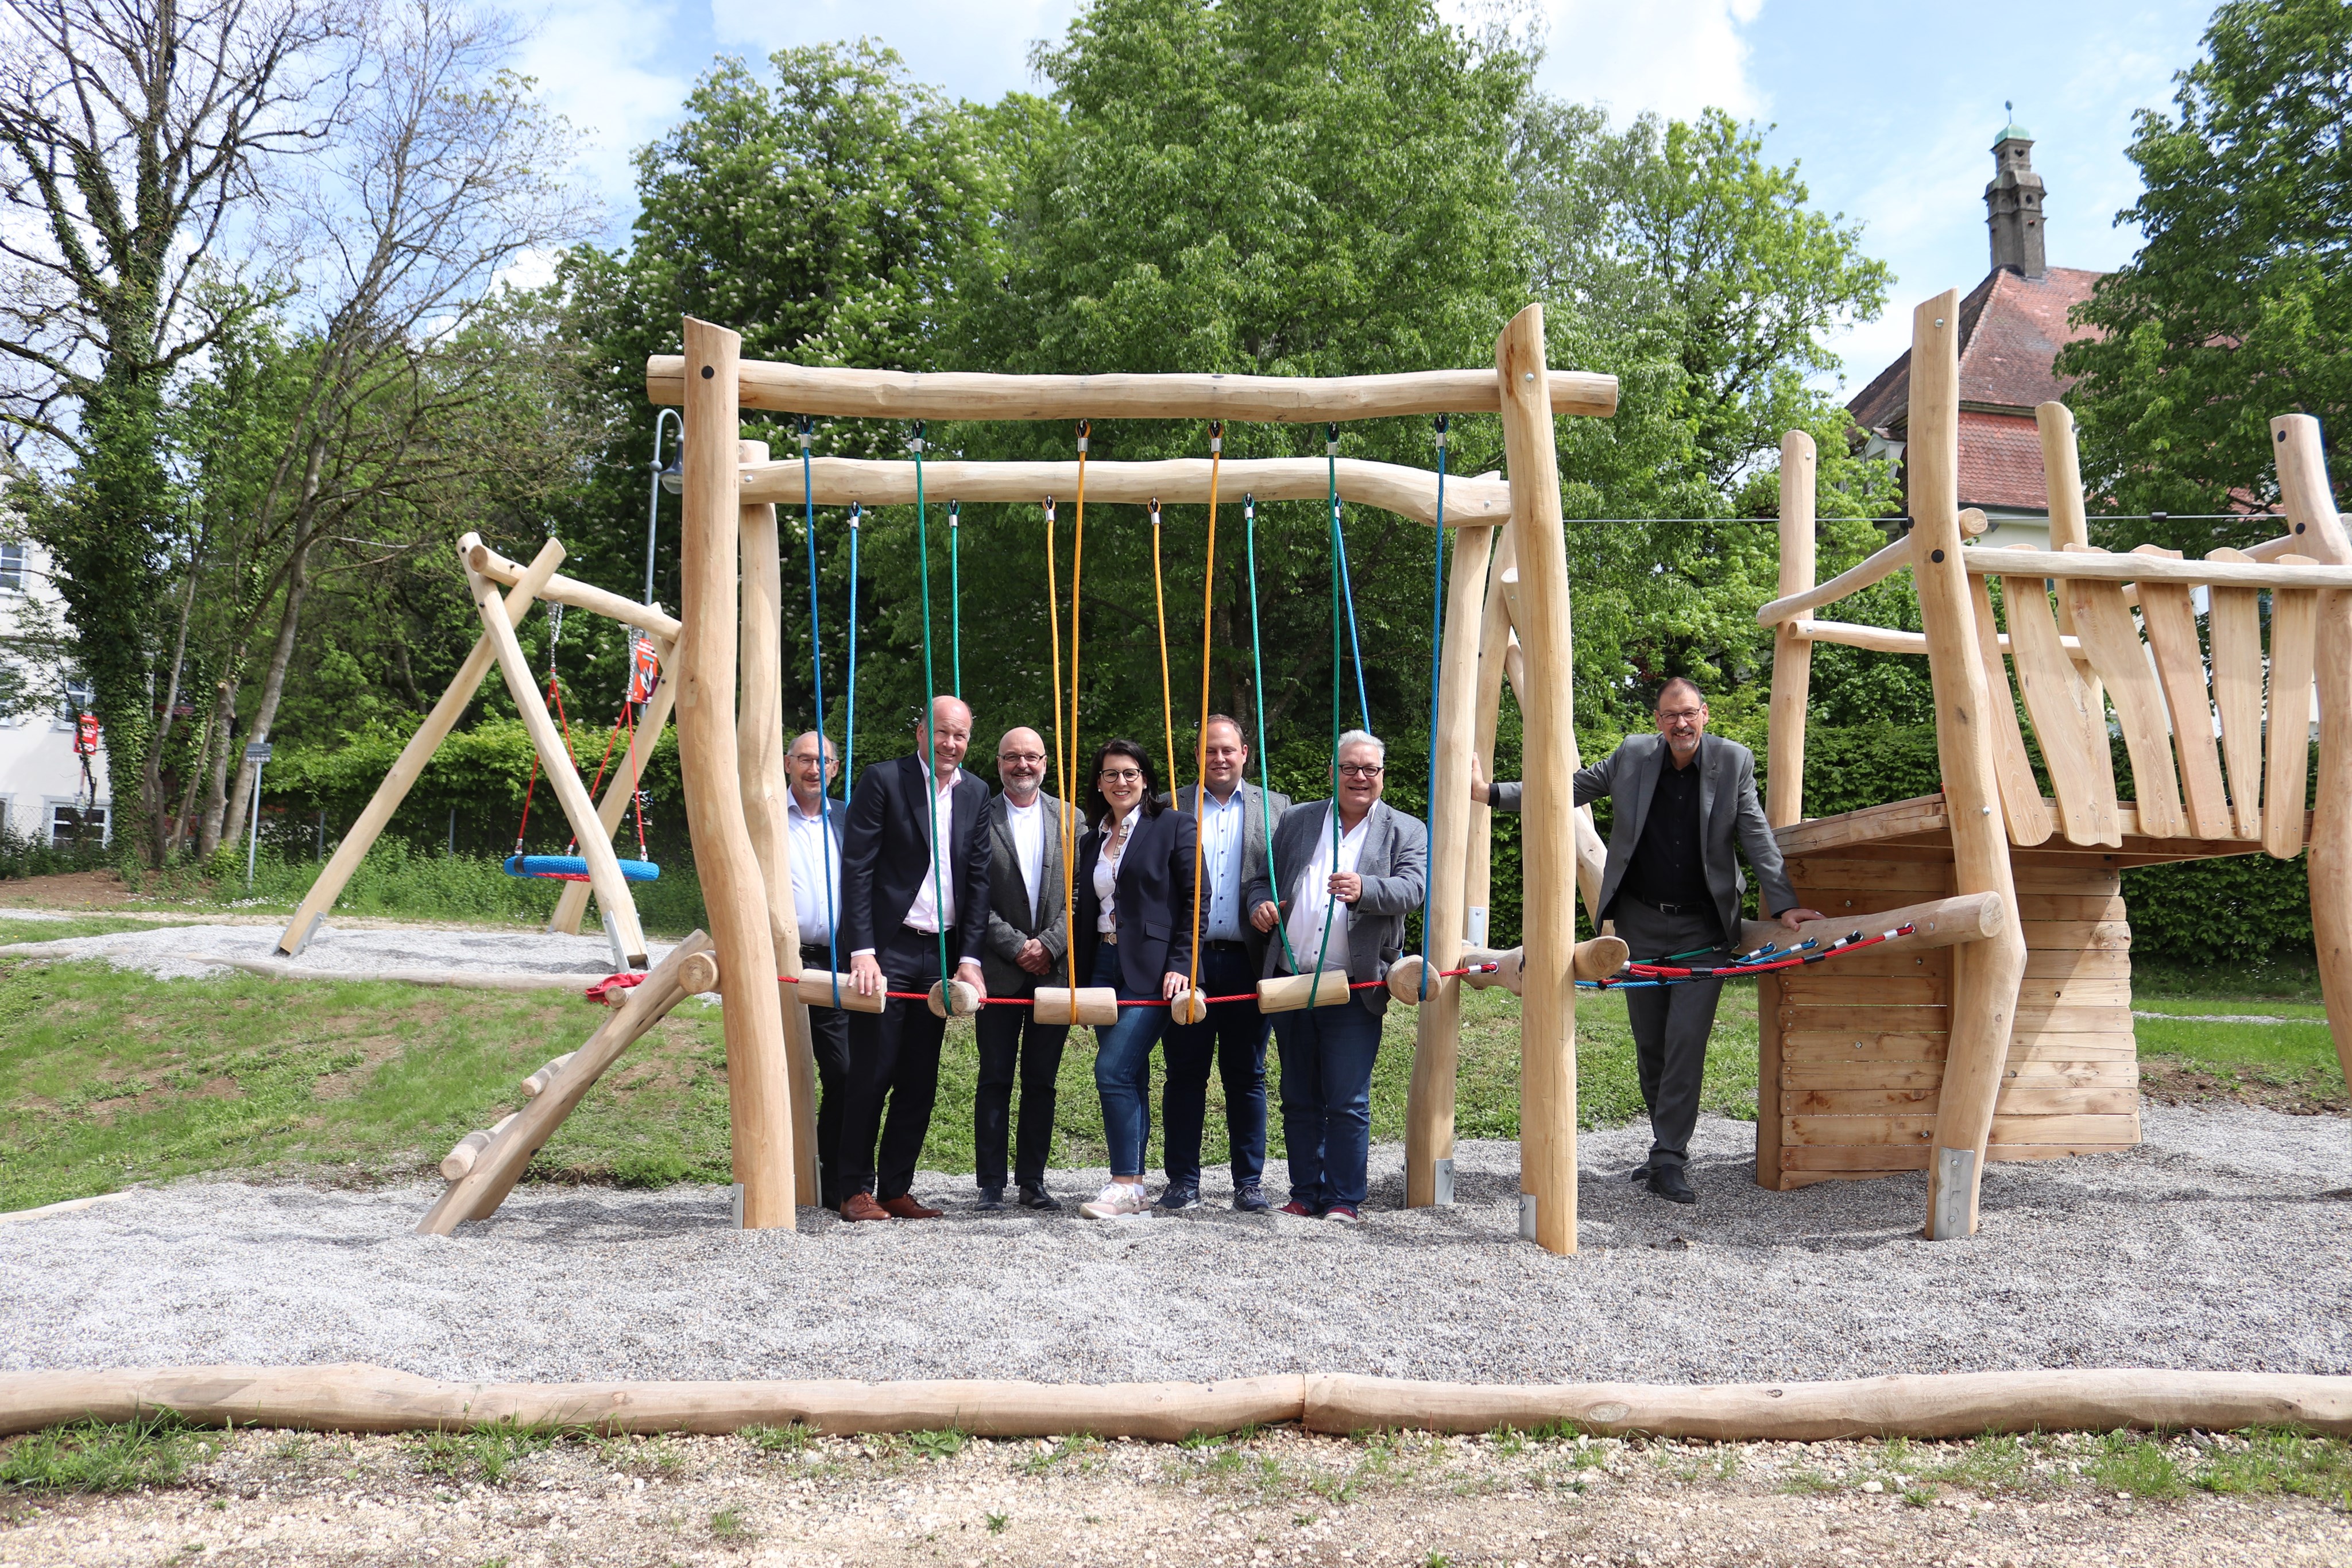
point(1233, 1036)
point(1123, 1069)
point(1327, 1101)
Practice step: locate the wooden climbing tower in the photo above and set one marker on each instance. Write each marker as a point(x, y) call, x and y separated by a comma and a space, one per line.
point(2019, 1046)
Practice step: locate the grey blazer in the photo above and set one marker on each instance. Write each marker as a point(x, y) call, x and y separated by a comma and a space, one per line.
point(1396, 869)
point(1254, 804)
point(1728, 807)
point(1011, 919)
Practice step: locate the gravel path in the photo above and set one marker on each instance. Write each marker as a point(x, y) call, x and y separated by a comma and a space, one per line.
point(2219, 1243)
point(180, 952)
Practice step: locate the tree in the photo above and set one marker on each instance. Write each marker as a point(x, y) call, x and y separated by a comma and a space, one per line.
point(2238, 305)
point(1701, 276)
point(131, 138)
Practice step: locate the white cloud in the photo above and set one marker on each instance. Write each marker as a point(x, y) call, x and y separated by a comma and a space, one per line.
point(1676, 57)
point(973, 50)
point(608, 68)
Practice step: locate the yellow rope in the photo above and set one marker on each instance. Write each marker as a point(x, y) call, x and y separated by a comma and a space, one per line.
point(1201, 740)
point(1061, 767)
point(1069, 811)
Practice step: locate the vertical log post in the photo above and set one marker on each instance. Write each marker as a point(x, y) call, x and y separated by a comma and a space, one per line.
point(1985, 974)
point(733, 891)
point(2062, 479)
point(410, 765)
point(1548, 1000)
point(759, 754)
point(1793, 655)
point(2318, 532)
point(1494, 640)
point(1437, 1038)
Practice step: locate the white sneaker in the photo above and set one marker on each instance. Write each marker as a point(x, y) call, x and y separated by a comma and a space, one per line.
point(1119, 1200)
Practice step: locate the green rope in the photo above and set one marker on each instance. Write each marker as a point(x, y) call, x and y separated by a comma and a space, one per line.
point(955, 592)
point(930, 719)
point(1257, 685)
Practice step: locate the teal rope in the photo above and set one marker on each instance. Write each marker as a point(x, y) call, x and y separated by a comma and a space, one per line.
point(955, 591)
point(1331, 900)
point(930, 720)
point(1347, 592)
point(1257, 684)
point(1436, 649)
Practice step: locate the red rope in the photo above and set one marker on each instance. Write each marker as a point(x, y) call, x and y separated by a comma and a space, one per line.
point(522, 829)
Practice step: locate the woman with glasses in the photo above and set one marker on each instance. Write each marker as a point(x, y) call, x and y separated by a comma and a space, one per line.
point(1133, 933)
point(1349, 870)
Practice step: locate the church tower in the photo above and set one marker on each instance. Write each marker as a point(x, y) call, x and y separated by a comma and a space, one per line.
point(2013, 204)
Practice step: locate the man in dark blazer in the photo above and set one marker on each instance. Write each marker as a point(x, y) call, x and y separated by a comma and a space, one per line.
point(1683, 800)
point(903, 906)
point(1235, 824)
point(1343, 904)
point(1028, 936)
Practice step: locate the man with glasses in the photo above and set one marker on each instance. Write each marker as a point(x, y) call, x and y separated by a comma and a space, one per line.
point(1348, 871)
point(1682, 799)
point(1236, 823)
point(1028, 936)
point(815, 822)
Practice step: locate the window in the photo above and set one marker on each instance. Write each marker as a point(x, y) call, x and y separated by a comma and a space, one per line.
point(74, 702)
point(69, 822)
point(12, 568)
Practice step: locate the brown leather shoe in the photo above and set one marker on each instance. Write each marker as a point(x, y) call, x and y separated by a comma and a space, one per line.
point(904, 1207)
point(861, 1206)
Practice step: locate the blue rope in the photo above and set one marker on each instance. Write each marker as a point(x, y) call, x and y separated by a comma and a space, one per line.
point(816, 664)
point(1257, 688)
point(1347, 590)
point(1436, 647)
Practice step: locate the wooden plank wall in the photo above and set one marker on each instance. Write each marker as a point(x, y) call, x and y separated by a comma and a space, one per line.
point(1853, 1053)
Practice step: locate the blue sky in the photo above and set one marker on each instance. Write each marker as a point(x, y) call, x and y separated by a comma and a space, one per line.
point(1890, 109)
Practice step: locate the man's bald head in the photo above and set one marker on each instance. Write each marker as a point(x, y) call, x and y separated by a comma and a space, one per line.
point(946, 735)
point(1021, 764)
point(811, 764)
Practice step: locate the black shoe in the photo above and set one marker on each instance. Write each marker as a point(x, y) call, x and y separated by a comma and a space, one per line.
point(1037, 1197)
point(1640, 1173)
point(1250, 1199)
point(1669, 1183)
point(1179, 1196)
point(991, 1200)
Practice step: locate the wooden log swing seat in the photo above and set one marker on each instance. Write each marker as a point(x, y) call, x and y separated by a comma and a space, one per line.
point(2019, 1045)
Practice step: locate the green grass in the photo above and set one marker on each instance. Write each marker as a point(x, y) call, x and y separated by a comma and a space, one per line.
point(2276, 1461)
point(485, 1453)
point(2134, 1463)
point(79, 925)
point(2269, 1062)
point(101, 1456)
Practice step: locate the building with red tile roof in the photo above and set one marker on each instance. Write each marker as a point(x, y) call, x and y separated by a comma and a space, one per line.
point(2012, 326)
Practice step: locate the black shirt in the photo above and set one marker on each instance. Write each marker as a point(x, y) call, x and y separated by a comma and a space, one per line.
point(1667, 867)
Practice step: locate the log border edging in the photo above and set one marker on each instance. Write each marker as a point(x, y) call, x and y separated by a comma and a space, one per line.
point(358, 1398)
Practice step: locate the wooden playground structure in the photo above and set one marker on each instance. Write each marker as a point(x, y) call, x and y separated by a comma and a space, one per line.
point(1996, 1025)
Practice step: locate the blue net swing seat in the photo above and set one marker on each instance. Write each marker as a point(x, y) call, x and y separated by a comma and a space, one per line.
point(573, 867)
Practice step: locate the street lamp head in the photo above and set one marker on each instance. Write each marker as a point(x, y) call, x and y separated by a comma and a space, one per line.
point(673, 478)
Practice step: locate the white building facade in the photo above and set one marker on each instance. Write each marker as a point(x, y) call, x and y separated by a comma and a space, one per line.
point(43, 791)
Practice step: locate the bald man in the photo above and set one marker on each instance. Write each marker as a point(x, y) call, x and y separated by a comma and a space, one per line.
point(1028, 935)
point(914, 874)
point(814, 822)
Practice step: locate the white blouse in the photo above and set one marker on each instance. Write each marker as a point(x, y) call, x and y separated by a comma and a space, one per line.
point(1113, 844)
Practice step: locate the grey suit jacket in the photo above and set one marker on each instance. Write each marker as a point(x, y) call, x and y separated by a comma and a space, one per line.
point(1254, 803)
point(1728, 808)
point(1395, 870)
point(1012, 920)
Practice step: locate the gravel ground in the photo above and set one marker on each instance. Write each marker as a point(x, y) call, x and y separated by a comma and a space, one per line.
point(1284, 1498)
point(2219, 1243)
point(178, 952)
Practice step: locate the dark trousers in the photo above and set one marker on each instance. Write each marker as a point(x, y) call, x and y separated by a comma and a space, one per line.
point(829, 1042)
point(1327, 1101)
point(894, 1074)
point(1671, 1023)
point(1234, 1034)
point(1011, 1040)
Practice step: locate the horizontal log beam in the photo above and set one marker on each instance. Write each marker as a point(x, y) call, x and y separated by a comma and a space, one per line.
point(578, 595)
point(1938, 922)
point(2099, 566)
point(355, 1397)
point(1888, 640)
point(1391, 487)
point(1282, 400)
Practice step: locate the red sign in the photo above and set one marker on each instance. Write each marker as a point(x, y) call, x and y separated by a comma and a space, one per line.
point(645, 670)
point(85, 736)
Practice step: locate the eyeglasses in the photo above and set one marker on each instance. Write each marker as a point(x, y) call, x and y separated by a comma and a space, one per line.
point(1121, 776)
point(1683, 715)
point(1360, 770)
point(805, 760)
point(1021, 757)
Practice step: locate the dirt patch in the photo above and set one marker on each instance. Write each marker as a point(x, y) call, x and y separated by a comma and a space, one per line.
point(2169, 1080)
point(70, 890)
point(1401, 1501)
